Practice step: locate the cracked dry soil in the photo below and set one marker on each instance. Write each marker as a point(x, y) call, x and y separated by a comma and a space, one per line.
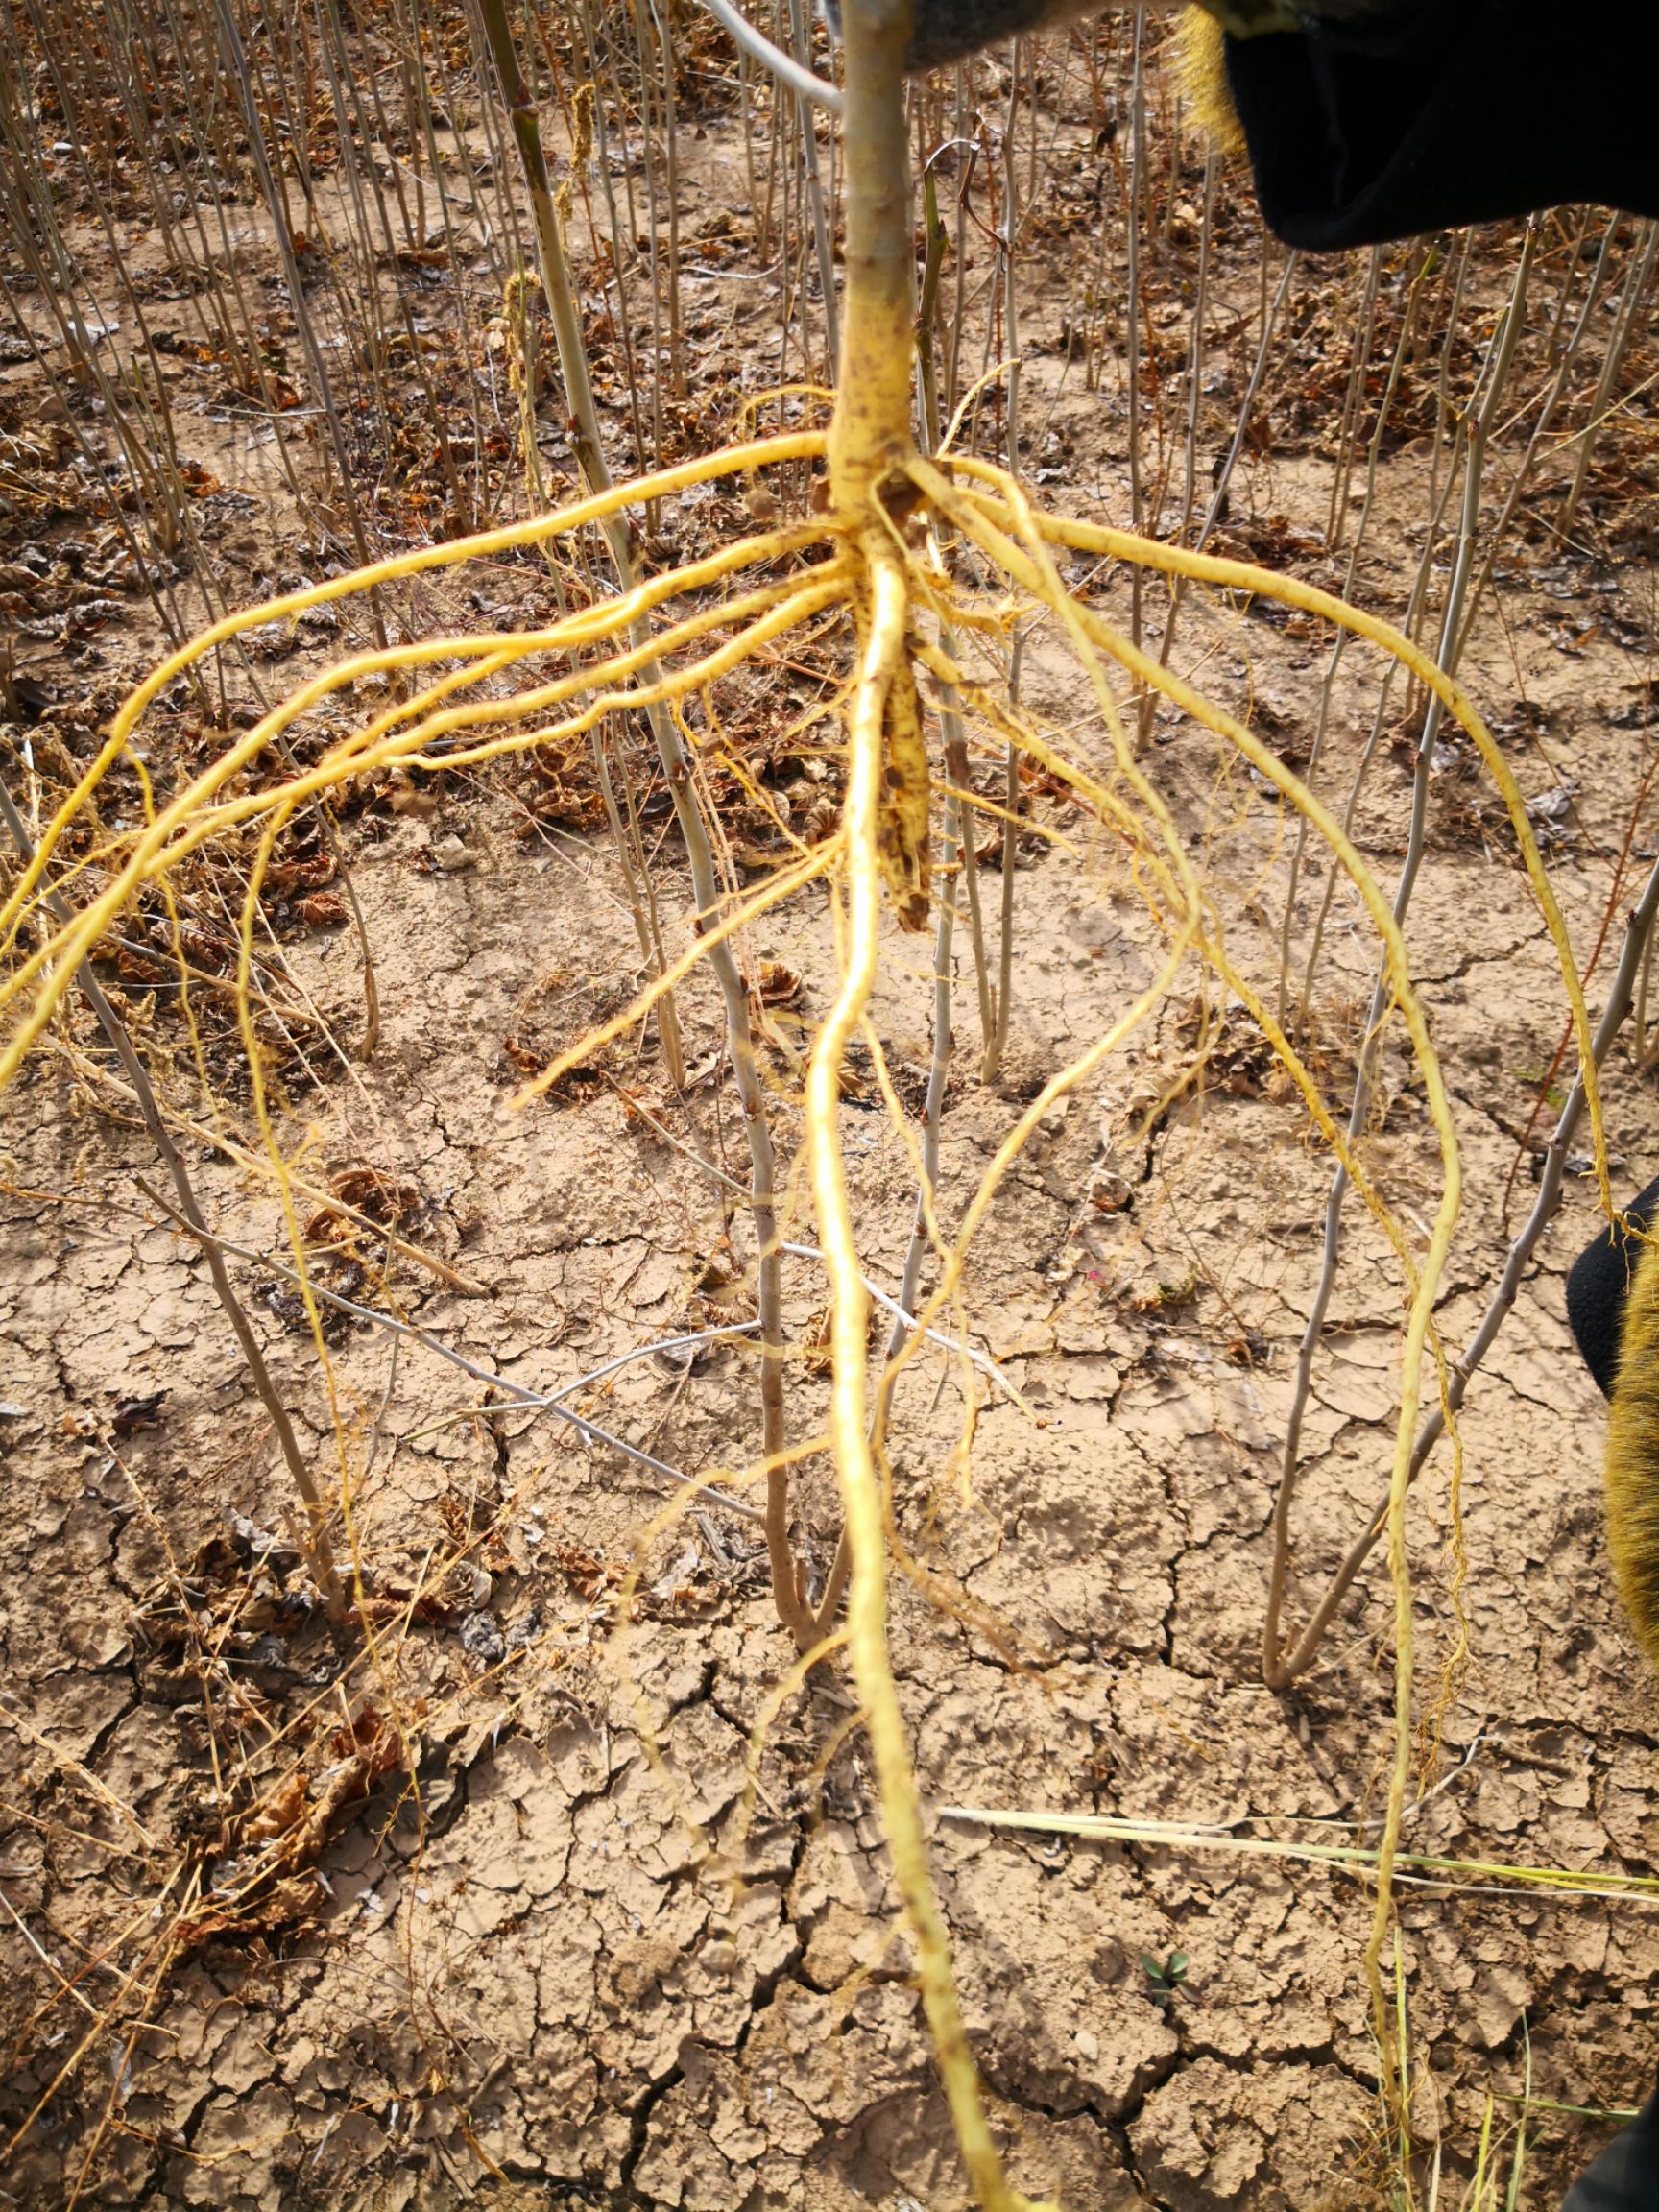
point(587, 1968)
point(528, 1934)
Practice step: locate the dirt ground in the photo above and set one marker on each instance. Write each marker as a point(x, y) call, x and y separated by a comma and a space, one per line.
point(532, 1929)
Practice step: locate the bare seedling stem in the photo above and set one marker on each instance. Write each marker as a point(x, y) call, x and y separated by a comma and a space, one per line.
point(787, 1583)
point(322, 1561)
point(1279, 1670)
point(1638, 936)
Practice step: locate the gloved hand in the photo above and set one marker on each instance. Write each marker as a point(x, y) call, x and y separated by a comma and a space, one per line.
point(1625, 2178)
point(1373, 120)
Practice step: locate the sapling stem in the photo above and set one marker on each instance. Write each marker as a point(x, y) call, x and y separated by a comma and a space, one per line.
point(277, 210)
point(823, 245)
point(1352, 400)
point(1132, 309)
point(958, 767)
point(321, 1549)
point(1246, 406)
point(1638, 937)
point(642, 906)
point(787, 1586)
point(501, 1387)
point(787, 68)
point(1327, 692)
point(1276, 1669)
point(992, 1065)
point(1635, 292)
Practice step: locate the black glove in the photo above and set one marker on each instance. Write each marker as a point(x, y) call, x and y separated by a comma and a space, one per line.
point(1370, 120)
point(1625, 2178)
point(1598, 1285)
point(1418, 114)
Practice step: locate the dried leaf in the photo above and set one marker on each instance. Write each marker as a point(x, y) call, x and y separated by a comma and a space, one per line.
point(134, 1413)
point(285, 1908)
point(369, 1191)
point(306, 875)
point(779, 985)
point(278, 1813)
